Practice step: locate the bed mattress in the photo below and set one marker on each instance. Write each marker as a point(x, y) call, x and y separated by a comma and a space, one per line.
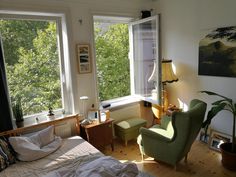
point(74, 154)
point(73, 150)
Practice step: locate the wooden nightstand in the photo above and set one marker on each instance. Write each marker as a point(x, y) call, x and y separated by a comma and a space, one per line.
point(98, 134)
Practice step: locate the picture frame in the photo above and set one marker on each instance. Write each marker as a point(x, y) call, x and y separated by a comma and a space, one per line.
point(217, 138)
point(203, 137)
point(217, 48)
point(83, 58)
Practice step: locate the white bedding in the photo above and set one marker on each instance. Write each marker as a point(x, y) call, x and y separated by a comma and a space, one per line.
point(75, 156)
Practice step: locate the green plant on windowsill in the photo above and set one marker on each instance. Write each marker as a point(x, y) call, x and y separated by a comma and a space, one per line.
point(224, 103)
point(17, 112)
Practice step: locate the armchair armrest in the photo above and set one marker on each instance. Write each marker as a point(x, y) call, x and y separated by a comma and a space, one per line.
point(153, 135)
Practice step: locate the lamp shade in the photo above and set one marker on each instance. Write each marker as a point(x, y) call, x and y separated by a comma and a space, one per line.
point(168, 75)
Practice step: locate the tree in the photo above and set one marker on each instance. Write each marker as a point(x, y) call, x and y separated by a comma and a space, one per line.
point(35, 78)
point(112, 47)
point(228, 33)
point(19, 33)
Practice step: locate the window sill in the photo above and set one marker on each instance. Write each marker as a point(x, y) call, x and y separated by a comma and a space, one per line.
point(128, 100)
point(118, 103)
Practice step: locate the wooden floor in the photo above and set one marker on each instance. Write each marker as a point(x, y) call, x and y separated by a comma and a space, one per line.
point(202, 161)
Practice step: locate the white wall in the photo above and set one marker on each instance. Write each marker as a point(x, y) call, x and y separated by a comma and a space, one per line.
point(81, 33)
point(182, 22)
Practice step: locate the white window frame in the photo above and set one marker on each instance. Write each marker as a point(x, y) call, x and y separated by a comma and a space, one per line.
point(158, 60)
point(67, 94)
point(110, 18)
point(117, 102)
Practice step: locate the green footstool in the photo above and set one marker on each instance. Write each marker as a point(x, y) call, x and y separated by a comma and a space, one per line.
point(129, 129)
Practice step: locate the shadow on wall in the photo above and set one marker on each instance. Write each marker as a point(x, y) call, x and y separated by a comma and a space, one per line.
point(186, 89)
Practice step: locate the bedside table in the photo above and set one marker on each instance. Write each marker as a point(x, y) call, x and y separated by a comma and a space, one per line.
point(98, 134)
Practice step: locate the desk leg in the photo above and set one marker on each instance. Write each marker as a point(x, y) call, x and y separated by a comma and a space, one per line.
point(112, 145)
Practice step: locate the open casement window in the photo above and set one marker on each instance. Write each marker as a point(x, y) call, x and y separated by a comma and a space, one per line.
point(144, 56)
point(120, 74)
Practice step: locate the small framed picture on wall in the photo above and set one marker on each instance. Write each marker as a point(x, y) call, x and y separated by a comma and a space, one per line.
point(83, 58)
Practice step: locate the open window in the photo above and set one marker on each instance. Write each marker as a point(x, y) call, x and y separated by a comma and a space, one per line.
point(126, 55)
point(145, 58)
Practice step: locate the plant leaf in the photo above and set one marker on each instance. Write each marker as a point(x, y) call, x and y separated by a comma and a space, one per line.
point(213, 112)
point(216, 94)
point(218, 102)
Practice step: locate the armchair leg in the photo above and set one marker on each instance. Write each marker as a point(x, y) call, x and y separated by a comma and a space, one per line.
point(175, 167)
point(186, 158)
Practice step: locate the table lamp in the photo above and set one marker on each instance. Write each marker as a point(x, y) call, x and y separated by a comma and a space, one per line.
point(83, 100)
point(168, 76)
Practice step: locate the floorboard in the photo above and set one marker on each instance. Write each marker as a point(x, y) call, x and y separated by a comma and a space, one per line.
point(202, 161)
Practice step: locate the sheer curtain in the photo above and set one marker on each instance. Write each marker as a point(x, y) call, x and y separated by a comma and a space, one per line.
point(5, 110)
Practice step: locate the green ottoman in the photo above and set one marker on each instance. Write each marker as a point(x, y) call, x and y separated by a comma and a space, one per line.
point(129, 129)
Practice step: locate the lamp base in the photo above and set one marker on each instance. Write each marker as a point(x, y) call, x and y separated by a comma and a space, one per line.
point(164, 98)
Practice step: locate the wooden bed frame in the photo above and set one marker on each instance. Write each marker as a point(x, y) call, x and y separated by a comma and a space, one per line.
point(43, 124)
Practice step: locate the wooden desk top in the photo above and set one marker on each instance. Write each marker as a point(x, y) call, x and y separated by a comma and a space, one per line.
point(96, 123)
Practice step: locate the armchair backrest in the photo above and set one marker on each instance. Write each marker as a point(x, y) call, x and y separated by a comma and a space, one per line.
point(187, 126)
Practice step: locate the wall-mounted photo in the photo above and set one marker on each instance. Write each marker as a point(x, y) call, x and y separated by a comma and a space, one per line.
point(217, 52)
point(217, 138)
point(84, 58)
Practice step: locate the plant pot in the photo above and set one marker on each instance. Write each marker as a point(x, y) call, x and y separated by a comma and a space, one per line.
point(19, 124)
point(228, 158)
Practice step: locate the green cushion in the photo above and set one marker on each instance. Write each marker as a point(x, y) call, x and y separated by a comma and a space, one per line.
point(129, 129)
point(129, 123)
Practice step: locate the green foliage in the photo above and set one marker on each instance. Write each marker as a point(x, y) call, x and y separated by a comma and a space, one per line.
point(19, 33)
point(34, 75)
point(112, 47)
point(217, 106)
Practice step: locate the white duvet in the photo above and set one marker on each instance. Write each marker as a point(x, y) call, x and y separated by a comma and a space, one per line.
point(74, 158)
point(101, 167)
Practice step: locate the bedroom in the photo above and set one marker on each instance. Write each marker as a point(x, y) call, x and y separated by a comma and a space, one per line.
point(181, 24)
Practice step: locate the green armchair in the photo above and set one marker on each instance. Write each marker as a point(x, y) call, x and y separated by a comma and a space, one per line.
point(172, 139)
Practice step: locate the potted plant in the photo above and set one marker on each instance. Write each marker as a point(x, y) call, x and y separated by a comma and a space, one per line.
point(228, 149)
point(50, 112)
point(18, 113)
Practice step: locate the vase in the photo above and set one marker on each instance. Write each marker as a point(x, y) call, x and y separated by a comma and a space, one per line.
point(228, 157)
point(19, 124)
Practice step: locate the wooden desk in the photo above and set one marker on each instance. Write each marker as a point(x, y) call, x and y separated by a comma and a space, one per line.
point(32, 125)
point(98, 134)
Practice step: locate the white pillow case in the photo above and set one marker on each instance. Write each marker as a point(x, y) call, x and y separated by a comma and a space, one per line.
point(36, 146)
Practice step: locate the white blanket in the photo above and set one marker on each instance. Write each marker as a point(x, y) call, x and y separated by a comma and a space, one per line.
point(100, 167)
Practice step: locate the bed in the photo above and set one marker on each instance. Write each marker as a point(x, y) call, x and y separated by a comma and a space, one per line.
point(75, 157)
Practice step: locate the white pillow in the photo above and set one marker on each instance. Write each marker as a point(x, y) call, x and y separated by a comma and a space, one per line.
point(43, 137)
point(38, 145)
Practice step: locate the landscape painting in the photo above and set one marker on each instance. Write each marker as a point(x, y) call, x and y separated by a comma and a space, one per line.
point(217, 52)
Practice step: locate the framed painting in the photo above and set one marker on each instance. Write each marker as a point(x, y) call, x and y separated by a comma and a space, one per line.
point(217, 138)
point(83, 58)
point(217, 52)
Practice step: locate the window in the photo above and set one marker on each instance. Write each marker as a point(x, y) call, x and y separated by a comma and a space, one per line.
point(112, 61)
point(145, 58)
point(120, 73)
point(35, 52)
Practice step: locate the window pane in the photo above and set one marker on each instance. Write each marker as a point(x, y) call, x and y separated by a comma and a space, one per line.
point(144, 55)
point(32, 63)
point(113, 70)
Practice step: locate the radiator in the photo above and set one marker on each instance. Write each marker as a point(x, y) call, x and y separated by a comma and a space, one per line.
point(63, 130)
